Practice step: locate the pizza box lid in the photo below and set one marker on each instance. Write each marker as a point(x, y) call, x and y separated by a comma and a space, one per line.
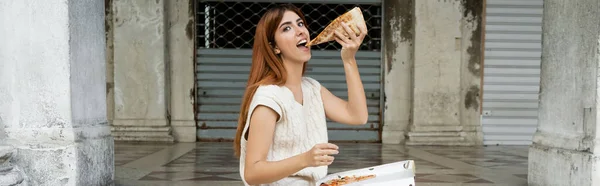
point(398, 173)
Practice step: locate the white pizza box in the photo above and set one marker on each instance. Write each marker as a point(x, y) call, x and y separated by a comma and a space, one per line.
point(400, 173)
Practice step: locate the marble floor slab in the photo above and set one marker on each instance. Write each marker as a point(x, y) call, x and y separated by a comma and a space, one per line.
point(214, 163)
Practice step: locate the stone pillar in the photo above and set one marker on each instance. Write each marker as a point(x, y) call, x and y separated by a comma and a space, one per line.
point(140, 71)
point(52, 91)
point(471, 44)
point(180, 45)
point(446, 78)
point(565, 149)
point(399, 58)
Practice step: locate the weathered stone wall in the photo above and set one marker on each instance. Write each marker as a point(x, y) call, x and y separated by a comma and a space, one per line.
point(139, 61)
point(471, 68)
point(399, 58)
point(432, 79)
point(150, 70)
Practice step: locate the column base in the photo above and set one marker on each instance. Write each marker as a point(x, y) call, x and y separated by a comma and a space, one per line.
point(184, 131)
point(65, 162)
point(392, 137)
point(142, 131)
point(445, 135)
point(149, 134)
point(557, 166)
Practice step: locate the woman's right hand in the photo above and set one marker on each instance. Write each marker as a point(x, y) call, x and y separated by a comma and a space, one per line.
point(319, 155)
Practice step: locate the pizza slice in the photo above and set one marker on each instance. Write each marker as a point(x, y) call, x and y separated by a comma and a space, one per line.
point(347, 180)
point(353, 18)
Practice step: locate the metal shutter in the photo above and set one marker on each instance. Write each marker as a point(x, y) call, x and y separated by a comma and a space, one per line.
point(511, 71)
point(222, 75)
point(222, 69)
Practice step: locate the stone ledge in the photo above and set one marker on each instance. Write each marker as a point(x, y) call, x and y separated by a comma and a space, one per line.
point(438, 134)
point(140, 122)
point(436, 143)
point(435, 139)
point(444, 135)
point(140, 129)
point(144, 138)
point(142, 133)
point(445, 128)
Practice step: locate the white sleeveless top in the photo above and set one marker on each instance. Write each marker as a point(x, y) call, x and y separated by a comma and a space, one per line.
point(298, 129)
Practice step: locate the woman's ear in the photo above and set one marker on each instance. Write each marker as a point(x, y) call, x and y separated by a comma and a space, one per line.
point(275, 49)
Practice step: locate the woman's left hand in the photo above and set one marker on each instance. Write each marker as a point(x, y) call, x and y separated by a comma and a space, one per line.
point(350, 45)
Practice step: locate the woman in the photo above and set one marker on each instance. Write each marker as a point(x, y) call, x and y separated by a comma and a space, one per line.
point(282, 134)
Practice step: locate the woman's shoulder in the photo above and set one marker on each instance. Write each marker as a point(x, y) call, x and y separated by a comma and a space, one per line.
point(269, 90)
point(312, 82)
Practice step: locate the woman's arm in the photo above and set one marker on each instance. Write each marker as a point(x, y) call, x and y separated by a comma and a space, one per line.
point(354, 111)
point(260, 137)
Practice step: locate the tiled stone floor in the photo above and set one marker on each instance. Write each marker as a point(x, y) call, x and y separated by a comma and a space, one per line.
point(214, 163)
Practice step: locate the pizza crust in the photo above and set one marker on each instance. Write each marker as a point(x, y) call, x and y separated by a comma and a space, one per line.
point(353, 18)
point(347, 180)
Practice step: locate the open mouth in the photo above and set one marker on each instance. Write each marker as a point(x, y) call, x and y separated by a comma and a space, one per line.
point(301, 44)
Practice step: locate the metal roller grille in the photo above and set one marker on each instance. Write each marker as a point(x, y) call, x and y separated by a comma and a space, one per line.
point(232, 24)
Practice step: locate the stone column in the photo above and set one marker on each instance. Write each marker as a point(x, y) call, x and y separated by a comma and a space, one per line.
point(52, 91)
point(180, 45)
point(565, 149)
point(445, 107)
point(399, 60)
point(140, 70)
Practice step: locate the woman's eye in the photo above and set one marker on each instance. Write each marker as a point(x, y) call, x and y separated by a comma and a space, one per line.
point(286, 28)
point(301, 24)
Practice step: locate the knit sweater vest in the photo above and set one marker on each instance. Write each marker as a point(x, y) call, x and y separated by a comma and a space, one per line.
point(299, 127)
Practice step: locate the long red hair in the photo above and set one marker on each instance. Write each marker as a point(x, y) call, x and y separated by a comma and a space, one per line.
point(267, 67)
